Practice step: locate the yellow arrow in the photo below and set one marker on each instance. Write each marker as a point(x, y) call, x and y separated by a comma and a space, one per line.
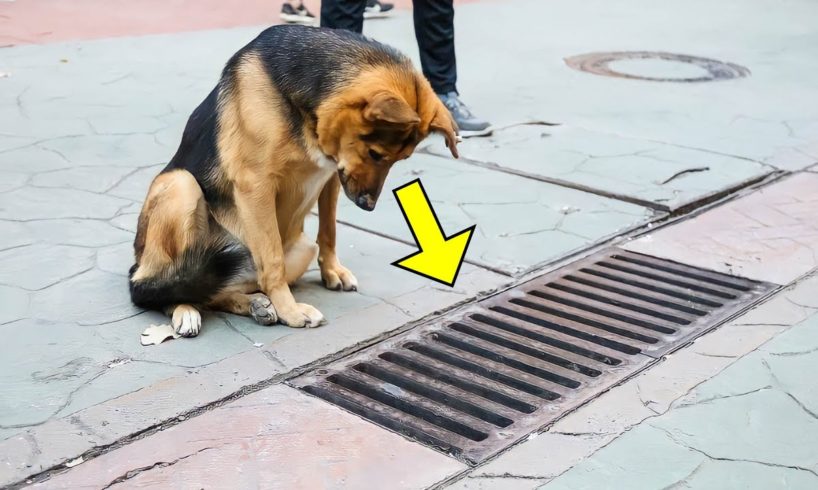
point(439, 257)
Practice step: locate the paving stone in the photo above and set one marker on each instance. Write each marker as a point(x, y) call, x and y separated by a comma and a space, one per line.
point(39, 266)
point(68, 300)
point(23, 454)
point(126, 221)
point(122, 376)
point(14, 235)
point(737, 474)
point(216, 341)
point(38, 203)
point(516, 230)
point(772, 428)
point(78, 232)
point(496, 483)
point(770, 235)
point(91, 179)
point(130, 409)
point(259, 435)
point(645, 458)
point(135, 186)
point(537, 457)
point(649, 171)
point(115, 150)
point(14, 303)
point(31, 158)
point(43, 364)
point(12, 180)
point(116, 259)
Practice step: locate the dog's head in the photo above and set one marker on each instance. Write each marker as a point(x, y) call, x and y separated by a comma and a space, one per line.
point(376, 122)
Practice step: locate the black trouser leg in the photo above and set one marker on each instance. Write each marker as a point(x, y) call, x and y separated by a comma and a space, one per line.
point(434, 30)
point(343, 14)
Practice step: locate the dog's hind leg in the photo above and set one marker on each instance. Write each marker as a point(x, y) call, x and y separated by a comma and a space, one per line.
point(181, 262)
point(298, 256)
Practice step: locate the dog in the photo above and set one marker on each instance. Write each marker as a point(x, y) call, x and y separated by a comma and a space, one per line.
point(298, 114)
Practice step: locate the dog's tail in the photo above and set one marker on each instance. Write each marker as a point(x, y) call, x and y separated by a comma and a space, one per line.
point(192, 278)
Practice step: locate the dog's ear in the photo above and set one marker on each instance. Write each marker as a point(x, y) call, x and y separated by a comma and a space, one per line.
point(385, 107)
point(443, 122)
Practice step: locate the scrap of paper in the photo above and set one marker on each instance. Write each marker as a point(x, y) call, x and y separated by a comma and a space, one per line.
point(156, 334)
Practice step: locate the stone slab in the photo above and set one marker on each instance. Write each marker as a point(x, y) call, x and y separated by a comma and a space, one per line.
point(521, 223)
point(627, 409)
point(769, 235)
point(276, 438)
point(658, 174)
point(751, 426)
point(116, 386)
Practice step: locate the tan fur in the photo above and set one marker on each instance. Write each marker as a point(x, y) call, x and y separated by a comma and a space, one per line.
point(274, 180)
point(173, 216)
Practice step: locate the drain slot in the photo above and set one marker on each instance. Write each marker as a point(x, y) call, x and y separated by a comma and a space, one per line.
point(682, 295)
point(624, 305)
point(674, 282)
point(458, 382)
point(405, 403)
point(483, 371)
point(561, 312)
point(502, 359)
point(590, 337)
point(566, 346)
point(510, 344)
point(630, 294)
point(659, 266)
point(477, 381)
point(433, 394)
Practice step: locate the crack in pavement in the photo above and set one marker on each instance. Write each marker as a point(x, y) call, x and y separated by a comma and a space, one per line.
point(684, 481)
point(679, 443)
point(160, 464)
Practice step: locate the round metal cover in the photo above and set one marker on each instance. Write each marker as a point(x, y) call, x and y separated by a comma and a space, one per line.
point(688, 68)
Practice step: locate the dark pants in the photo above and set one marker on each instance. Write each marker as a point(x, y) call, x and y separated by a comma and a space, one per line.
point(434, 31)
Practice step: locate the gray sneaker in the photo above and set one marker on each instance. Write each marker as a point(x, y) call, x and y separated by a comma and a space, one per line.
point(467, 123)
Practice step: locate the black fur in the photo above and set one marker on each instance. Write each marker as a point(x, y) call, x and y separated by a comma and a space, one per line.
point(195, 276)
point(306, 65)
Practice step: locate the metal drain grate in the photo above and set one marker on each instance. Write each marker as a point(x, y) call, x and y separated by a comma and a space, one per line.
point(473, 383)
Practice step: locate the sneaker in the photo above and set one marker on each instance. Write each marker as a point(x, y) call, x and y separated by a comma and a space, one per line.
point(296, 15)
point(467, 123)
point(376, 9)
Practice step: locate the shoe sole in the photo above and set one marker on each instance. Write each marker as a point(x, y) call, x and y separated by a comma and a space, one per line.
point(476, 134)
point(297, 19)
point(377, 15)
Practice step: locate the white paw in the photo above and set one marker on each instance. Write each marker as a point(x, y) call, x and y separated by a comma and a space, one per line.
point(187, 321)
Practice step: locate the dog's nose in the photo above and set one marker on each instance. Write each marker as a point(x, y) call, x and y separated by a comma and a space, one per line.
point(365, 202)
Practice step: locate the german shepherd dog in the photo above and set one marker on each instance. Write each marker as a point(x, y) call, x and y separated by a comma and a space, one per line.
point(298, 113)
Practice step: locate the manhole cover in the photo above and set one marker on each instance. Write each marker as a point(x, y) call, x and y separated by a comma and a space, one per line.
point(473, 383)
point(656, 66)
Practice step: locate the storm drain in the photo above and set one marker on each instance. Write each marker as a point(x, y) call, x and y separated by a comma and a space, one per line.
point(473, 383)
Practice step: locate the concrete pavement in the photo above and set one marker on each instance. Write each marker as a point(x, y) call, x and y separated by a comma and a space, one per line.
point(85, 124)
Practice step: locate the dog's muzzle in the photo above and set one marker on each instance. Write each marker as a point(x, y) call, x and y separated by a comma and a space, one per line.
point(364, 200)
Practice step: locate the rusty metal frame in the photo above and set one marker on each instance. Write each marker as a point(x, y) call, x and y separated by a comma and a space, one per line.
point(471, 383)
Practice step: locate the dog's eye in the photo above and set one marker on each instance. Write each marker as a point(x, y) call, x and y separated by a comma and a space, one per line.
point(375, 155)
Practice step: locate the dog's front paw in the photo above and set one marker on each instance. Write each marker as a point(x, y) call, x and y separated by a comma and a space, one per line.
point(338, 277)
point(300, 315)
point(262, 310)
